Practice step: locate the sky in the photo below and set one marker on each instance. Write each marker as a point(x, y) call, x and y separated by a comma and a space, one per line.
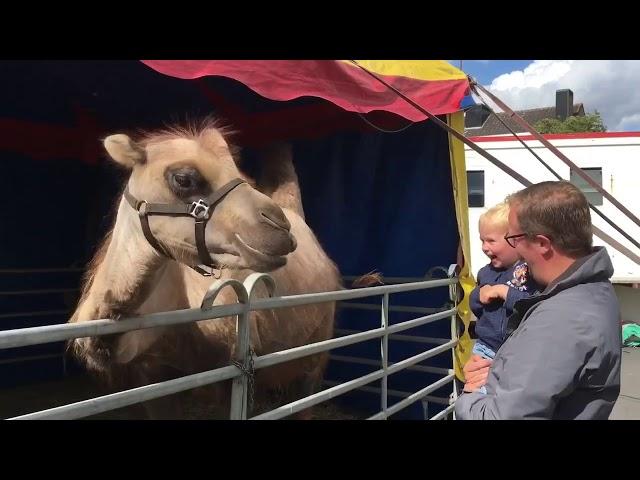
point(612, 87)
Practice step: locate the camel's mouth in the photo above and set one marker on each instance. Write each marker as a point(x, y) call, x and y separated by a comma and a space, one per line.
point(258, 260)
point(96, 355)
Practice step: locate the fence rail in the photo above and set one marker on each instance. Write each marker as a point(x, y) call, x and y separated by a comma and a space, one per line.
point(243, 356)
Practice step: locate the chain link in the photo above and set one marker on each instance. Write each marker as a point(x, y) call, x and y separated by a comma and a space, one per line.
point(250, 374)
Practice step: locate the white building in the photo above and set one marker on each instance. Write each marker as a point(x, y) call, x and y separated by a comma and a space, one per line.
point(611, 158)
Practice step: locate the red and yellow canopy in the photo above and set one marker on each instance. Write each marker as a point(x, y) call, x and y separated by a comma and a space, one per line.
point(434, 84)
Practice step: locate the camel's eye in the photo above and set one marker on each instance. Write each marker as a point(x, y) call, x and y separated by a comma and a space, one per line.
point(183, 180)
point(186, 182)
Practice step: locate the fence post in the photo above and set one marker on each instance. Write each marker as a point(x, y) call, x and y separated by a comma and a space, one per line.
point(244, 351)
point(240, 358)
point(384, 346)
point(453, 272)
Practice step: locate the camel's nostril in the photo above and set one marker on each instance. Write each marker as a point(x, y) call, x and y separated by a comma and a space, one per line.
point(276, 219)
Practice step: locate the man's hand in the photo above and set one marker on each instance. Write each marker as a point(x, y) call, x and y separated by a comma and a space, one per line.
point(489, 293)
point(476, 371)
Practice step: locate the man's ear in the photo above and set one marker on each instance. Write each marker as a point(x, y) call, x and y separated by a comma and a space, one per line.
point(543, 242)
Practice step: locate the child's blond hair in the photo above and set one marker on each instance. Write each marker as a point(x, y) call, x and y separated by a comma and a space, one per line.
point(497, 215)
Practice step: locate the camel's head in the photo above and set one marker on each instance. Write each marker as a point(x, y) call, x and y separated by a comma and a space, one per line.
point(246, 229)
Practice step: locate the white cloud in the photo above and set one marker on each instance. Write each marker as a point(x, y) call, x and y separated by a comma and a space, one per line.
point(609, 86)
point(630, 122)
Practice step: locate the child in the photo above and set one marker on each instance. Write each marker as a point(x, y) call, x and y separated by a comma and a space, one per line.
point(501, 283)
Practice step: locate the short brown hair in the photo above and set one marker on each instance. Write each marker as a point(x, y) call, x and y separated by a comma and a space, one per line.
point(558, 210)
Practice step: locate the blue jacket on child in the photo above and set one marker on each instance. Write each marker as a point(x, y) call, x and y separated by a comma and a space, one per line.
point(492, 318)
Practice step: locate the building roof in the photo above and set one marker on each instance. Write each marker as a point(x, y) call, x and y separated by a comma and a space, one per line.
point(492, 125)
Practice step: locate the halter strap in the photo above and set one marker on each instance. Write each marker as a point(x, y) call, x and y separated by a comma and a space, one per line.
point(201, 211)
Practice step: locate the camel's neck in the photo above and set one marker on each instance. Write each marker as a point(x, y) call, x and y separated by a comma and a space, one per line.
point(130, 273)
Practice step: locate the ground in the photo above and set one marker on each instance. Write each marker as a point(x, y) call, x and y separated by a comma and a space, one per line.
point(628, 404)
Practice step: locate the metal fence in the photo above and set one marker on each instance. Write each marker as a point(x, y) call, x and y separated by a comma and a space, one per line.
point(37, 296)
point(245, 363)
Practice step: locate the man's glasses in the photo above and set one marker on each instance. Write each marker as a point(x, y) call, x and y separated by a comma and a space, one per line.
point(509, 238)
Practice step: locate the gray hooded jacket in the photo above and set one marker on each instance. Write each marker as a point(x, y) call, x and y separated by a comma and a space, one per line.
point(562, 357)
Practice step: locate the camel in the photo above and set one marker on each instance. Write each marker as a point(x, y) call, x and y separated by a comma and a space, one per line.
point(253, 226)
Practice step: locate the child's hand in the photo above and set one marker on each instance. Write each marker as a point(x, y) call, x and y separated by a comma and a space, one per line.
point(489, 293)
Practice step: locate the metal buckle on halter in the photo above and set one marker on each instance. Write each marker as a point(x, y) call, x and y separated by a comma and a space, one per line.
point(199, 210)
point(202, 270)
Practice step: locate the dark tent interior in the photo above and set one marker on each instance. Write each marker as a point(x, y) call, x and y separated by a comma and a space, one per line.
point(377, 192)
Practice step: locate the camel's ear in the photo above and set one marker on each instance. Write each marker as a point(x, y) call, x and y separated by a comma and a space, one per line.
point(124, 150)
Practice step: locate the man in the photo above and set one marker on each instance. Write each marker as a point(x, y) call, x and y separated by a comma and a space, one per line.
point(561, 359)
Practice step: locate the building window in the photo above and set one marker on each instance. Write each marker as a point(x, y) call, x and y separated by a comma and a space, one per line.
point(593, 196)
point(475, 183)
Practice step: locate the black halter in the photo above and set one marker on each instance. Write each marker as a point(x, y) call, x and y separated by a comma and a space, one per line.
point(201, 211)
